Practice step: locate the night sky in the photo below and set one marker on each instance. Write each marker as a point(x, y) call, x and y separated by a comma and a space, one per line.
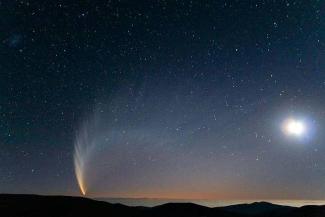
point(164, 99)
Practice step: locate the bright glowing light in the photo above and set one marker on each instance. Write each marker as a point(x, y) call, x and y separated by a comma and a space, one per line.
point(82, 153)
point(294, 127)
point(80, 175)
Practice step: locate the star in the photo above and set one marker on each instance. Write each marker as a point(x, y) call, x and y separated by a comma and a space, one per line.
point(294, 127)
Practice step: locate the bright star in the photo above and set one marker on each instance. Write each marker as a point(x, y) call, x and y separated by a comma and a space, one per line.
point(294, 127)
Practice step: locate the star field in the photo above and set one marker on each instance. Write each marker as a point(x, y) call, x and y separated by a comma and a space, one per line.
point(177, 99)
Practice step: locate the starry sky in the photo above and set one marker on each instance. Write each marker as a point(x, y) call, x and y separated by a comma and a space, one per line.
point(163, 99)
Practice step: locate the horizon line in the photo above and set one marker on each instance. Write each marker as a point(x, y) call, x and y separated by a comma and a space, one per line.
point(164, 198)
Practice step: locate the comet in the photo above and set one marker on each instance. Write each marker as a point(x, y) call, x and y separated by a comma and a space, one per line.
point(79, 170)
point(83, 148)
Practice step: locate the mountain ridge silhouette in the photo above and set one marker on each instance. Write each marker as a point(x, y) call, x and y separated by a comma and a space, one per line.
point(25, 205)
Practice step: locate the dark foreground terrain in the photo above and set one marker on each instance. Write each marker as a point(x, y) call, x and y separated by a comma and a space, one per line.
point(61, 206)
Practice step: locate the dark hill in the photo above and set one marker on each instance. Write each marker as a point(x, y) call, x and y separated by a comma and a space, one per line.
point(34, 205)
point(187, 210)
point(64, 206)
point(258, 208)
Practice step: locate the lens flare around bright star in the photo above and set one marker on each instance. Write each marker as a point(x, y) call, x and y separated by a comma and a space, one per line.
point(293, 127)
